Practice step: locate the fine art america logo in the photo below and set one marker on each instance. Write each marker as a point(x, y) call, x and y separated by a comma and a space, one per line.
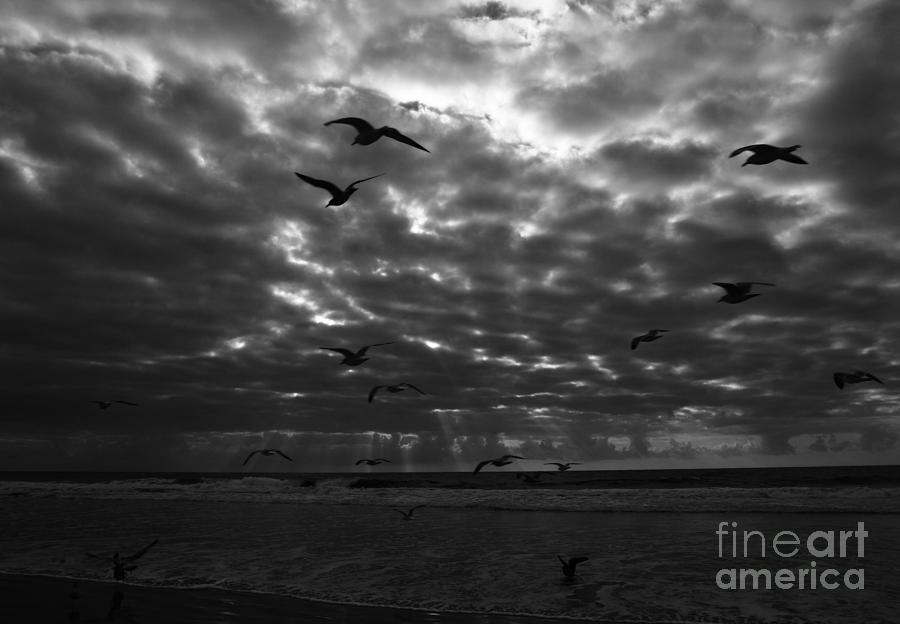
point(829, 545)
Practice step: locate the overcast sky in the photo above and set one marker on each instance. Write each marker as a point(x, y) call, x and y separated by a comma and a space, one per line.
point(156, 247)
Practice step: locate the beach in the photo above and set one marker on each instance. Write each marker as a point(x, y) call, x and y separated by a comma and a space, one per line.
point(269, 545)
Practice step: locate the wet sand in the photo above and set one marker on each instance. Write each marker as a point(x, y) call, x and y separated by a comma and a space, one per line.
point(38, 599)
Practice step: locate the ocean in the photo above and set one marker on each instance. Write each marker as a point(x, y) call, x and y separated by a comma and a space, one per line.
point(485, 543)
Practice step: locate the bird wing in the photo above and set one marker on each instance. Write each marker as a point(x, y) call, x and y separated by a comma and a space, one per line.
point(383, 460)
point(364, 180)
point(283, 455)
point(635, 342)
point(323, 184)
point(793, 158)
point(409, 385)
point(248, 457)
point(874, 378)
point(751, 148)
point(373, 391)
point(397, 136)
point(362, 351)
point(96, 556)
point(481, 465)
point(731, 289)
point(141, 552)
point(414, 508)
point(574, 561)
point(839, 380)
point(360, 461)
point(344, 352)
point(402, 513)
point(361, 125)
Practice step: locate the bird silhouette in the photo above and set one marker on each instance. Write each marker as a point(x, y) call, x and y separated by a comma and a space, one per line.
point(395, 388)
point(108, 404)
point(764, 154)
point(562, 467)
point(500, 461)
point(735, 293)
point(373, 462)
point(569, 566)
point(338, 196)
point(855, 377)
point(355, 358)
point(653, 334)
point(119, 563)
point(266, 452)
point(368, 134)
point(408, 515)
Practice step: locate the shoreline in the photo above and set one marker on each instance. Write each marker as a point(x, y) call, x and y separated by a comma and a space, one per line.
point(40, 598)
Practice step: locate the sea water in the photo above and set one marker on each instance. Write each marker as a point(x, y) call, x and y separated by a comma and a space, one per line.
point(487, 543)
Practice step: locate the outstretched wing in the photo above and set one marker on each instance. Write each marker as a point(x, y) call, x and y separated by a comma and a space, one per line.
point(839, 380)
point(397, 136)
point(574, 561)
point(512, 456)
point(383, 460)
point(344, 352)
point(248, 457)
point(874, 378)
point(283, 455)
point(364, 180)
point(362, 351)
point(141, 552)
point(409, 385)
point(481, 465)
point(373, 391)
point(635, 342)
point(751, 148)
point(794, 159)
point(361, 461)
point(553, 464)
point(361, 125)
point(323, 184)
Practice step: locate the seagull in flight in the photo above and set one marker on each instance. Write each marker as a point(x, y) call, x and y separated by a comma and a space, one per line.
point(735, 293)
point(368, 134)
point(338, 196)
point(395, 388)
point(562, 467)
point(373, 462)
point(500, 461)
point(653, 334)
point(408, 515)
point(764, 154)
point(266, 452)
point(855, 377)
point(355, 359)
point(108, 404)
point(118, 563)
point(569, 566)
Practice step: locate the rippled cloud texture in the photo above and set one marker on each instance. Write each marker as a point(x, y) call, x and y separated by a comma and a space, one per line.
point(157, 247)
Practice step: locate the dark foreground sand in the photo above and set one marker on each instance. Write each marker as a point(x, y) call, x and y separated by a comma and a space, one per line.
point(39, 599)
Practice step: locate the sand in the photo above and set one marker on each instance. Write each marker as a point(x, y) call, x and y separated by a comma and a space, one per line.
point(38, 599)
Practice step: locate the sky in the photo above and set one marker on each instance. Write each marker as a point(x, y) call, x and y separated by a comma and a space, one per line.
point(156, 246)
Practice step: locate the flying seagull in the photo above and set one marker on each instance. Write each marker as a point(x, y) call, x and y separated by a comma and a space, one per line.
point(855, 377)
point(338, 196)
point(373, 462)
point(266, 452)
point(569, 566)
point(500, 461)
point(368, 134)
point(355, 359)
point(118, 563)
point(653, 334)
point(764, 154)
point(562, 467)
point(108, 404)
point(735, 293)
point(395, 388)
point(408, 515)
